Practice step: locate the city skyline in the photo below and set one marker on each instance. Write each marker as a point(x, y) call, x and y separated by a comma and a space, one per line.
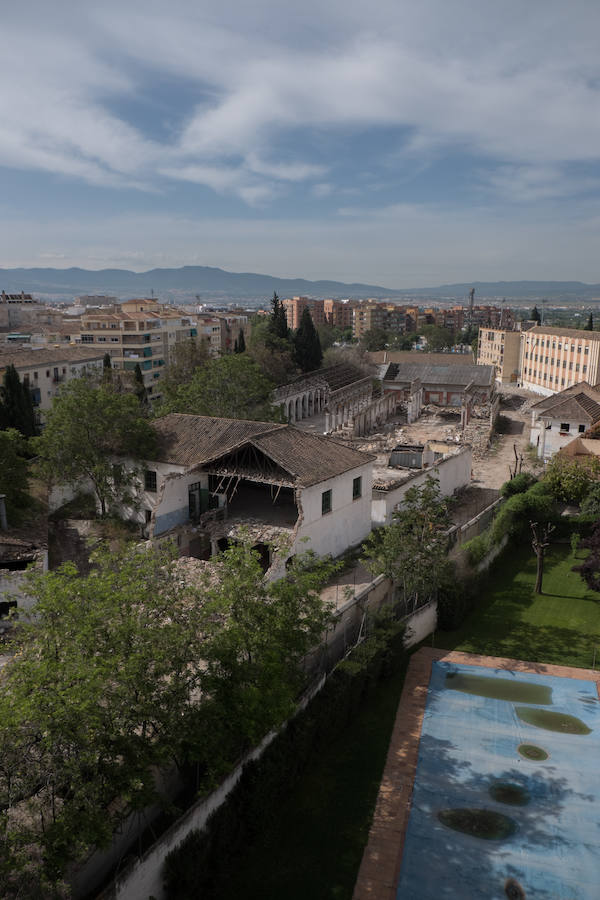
point(402, 146)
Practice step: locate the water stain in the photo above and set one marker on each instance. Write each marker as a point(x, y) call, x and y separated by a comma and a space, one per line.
point(532, 752)
point(511, 794)
point(480, 823)
point(513, 890)
point(552, 721)
point(500, 688)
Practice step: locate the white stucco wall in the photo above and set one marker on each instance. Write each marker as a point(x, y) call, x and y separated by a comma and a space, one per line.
point(349, 521)
point(550, 439)
point(452, 473)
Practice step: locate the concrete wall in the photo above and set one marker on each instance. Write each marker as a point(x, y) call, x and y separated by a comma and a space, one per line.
point(452, 473)
point(349, 521)
point(549, 441)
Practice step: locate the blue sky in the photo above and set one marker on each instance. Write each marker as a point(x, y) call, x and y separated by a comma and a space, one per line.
point(395, 143)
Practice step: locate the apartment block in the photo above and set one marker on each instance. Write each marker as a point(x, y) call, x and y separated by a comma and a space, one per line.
point(552, 359)
point(139, 332)
point(501, 349)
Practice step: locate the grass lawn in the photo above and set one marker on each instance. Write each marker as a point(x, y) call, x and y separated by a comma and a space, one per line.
point(560, 626)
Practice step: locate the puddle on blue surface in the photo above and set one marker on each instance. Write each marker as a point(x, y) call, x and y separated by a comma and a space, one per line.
point(486, 824)
point(552, 721)
point(500, 688)
point(511, 794)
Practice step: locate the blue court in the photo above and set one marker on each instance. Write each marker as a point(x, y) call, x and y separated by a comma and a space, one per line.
point(506, 800)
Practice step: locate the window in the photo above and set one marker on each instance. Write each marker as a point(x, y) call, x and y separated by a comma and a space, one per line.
point(35, 375)
point(150, 480)
point(357, 488)
point(47, 373)
point(564, 426)
point(581, 429)
point(325, 502)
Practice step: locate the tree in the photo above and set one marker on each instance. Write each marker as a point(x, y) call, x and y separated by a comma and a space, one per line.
point(233, 387)
point(375, 339)
point(535, 315)
point(184, 358)
point(139, 387)
point(307, 347)
point(437, 338)
point(94, 701)
point(412, 551)
point(278, 326)
point(16, 405)
point(539, 541)
point(87, 429)
point(589, 569)
point(13, 473)
point(570, 479)
point(590, 323)
point(241, 342)
point(536, 504)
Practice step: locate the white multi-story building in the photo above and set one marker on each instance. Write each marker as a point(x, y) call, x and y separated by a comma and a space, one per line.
point(556, 358)
point(562, 417)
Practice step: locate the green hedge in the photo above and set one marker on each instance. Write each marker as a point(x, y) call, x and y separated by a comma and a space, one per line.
point(199, 867)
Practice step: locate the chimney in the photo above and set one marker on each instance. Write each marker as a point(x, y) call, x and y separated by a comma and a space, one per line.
point(3, 521)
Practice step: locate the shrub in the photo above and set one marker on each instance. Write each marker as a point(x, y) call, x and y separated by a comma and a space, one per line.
point(517, 485)
point(477, 548)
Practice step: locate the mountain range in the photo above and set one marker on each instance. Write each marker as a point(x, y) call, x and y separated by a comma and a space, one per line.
point(213, 284)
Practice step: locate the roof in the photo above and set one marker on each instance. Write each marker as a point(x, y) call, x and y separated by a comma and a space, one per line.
point(25, 357)
point(581, 446)
point(578, 333)
point(574, 406)
point(200, 441)
point(581, 387)
point(480, 376)
point(418, 356)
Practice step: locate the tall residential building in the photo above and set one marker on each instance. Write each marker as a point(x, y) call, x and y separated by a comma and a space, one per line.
point(295, 306)
point(501, 349)
point(556, 358)
point(139, 332)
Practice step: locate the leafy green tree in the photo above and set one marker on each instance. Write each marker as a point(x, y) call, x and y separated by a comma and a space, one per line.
point(535, 315)
point(375, 339)
point(590, 323)
point(438, 338)
point(412, 551)
point(403, 341)
point(521, 482)
point(95, 699)
point(571, 480)
point(16, 405)
point(184, 358)
point(14, 473)
point(307, 347)
point(537, 504)
point(232, 387)
point(88, 427)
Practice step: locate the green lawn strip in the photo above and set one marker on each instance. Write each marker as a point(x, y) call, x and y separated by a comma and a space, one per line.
point(315, 847)
point(561, 626)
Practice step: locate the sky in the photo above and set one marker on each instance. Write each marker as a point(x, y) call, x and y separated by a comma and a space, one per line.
point(395, 143)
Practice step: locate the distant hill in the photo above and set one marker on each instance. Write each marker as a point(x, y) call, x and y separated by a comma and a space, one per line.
point(217, 284)
point(555, 290)
point(188, 280)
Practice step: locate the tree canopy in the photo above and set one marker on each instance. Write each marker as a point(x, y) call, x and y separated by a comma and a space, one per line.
point(13, 473)
point(232, 387)
point(535, 315)
point(412, 551)
point(129, 670)
point(278, 326)
point(307, 346)
point(87, 428)
point(16, 405)
point(184, 358)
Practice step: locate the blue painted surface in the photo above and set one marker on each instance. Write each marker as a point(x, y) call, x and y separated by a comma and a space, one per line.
point(468, 743)
point(170, 520)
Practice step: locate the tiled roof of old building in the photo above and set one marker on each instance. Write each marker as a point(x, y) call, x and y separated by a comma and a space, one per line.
point(197, 441)
point(21, 357)
point(576, 407)
point(380, 357)
point(459, 376)
point(575, 333)
point(582, 387)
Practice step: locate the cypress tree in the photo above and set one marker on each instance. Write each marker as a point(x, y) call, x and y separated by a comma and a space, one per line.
point(535, 315)
point(590, 323)
point(278, 324)
point(236, 348)
point(241, 341)
point(138, 385)
point(307, 345)
point(16, 405)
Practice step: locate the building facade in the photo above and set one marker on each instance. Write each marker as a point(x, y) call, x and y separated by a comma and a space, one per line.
point(501, 349)
point(560, 418)
point(552, 359)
